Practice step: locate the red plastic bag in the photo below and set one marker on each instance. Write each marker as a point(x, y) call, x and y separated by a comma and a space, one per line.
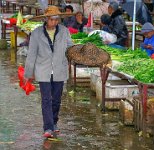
point(72, 30)
point(26, 86)
point(152, 56)
point(13, 21)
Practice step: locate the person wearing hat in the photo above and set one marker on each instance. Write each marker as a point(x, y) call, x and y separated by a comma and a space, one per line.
point(117, 25)
point(148, 44)
point(46, 62)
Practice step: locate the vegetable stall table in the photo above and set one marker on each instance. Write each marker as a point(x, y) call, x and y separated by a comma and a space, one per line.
point(143, 89)
point(134, 66)
point(75, 65)
point(35, 7)
point(27, 28)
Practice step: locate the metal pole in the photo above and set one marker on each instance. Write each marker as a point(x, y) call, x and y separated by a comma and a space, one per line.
point(134, 20)
point(91, 14)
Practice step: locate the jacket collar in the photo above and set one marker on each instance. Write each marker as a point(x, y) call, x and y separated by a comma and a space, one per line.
point(45, 36)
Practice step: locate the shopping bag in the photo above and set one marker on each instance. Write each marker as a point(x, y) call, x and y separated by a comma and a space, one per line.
point(27, 86)
point(111, 38)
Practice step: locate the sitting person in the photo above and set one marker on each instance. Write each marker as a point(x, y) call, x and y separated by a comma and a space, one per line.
point(80, 21)
point(117, 25)
point(148, 44)
point(105, 21)
point(68, 21)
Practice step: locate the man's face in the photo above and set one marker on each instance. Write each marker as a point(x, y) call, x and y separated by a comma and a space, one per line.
point(149, 34)
point(110, 10)
point(79, 16)
point(52, 22)
point(68, 11)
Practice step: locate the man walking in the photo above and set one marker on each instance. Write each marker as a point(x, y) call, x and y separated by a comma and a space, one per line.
point(47, 63)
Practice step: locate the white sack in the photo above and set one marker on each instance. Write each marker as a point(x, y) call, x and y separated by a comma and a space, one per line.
point(112, 38)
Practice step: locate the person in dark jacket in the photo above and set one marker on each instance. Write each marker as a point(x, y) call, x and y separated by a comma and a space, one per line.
point(80, 21)
point(68, 21)
point(105, 21)
point(144, 15)
point(117, 25)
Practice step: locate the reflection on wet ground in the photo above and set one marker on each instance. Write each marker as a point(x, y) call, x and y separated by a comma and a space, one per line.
point(83, 126)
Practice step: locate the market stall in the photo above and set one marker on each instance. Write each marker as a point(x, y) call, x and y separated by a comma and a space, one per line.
point(135, 67)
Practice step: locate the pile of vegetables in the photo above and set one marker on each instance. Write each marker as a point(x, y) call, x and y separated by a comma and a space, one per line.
point(134, 62)
point(79, 35)
point(140, 69)
point(82, 38)
point(30, 26)
point(124, 55)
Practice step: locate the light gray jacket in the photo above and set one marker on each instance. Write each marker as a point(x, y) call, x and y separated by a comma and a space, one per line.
point(41, 61)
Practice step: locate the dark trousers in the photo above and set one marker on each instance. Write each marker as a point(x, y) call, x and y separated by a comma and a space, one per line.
point(51, 93)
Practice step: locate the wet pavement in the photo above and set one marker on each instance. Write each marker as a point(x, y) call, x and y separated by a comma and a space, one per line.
point(83, 126)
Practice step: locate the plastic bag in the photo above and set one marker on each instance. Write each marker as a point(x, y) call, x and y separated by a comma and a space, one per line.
point(111, 38)
point(152, 56)
point(72, 30)
point(26, 86)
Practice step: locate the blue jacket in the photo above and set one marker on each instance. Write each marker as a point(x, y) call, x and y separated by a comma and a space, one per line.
point(151, 42)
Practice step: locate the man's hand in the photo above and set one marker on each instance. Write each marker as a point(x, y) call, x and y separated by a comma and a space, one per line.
point(28, 79)
point(149, 47)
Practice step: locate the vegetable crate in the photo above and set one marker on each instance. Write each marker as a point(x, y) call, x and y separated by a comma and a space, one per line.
point(126, 112)
point(115, 89)
point(146, 123)
point(120, 89)
point(138, 114)
point(150, 116)
point(94, 76)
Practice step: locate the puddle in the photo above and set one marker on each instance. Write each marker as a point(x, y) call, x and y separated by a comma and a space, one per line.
point(83, 126)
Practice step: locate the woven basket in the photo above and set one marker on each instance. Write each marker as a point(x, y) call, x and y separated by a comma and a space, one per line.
point(89, 55)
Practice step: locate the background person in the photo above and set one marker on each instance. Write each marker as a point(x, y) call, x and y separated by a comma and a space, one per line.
point(80, 21)
point(47, 63)
point(148, 44)
point(68, 21)
point(105, 21)
point(149, 4)
point(117, 25)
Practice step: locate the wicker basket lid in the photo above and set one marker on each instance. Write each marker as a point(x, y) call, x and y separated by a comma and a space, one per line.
point(88, 54)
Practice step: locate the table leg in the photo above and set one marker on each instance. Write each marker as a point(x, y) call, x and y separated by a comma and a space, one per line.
point(29, 10)
point(14, 7)
point(15, 36)
point(74, 76)
point(143, 98)
point(104, 76)
point(69, 67)
point(7, 6)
